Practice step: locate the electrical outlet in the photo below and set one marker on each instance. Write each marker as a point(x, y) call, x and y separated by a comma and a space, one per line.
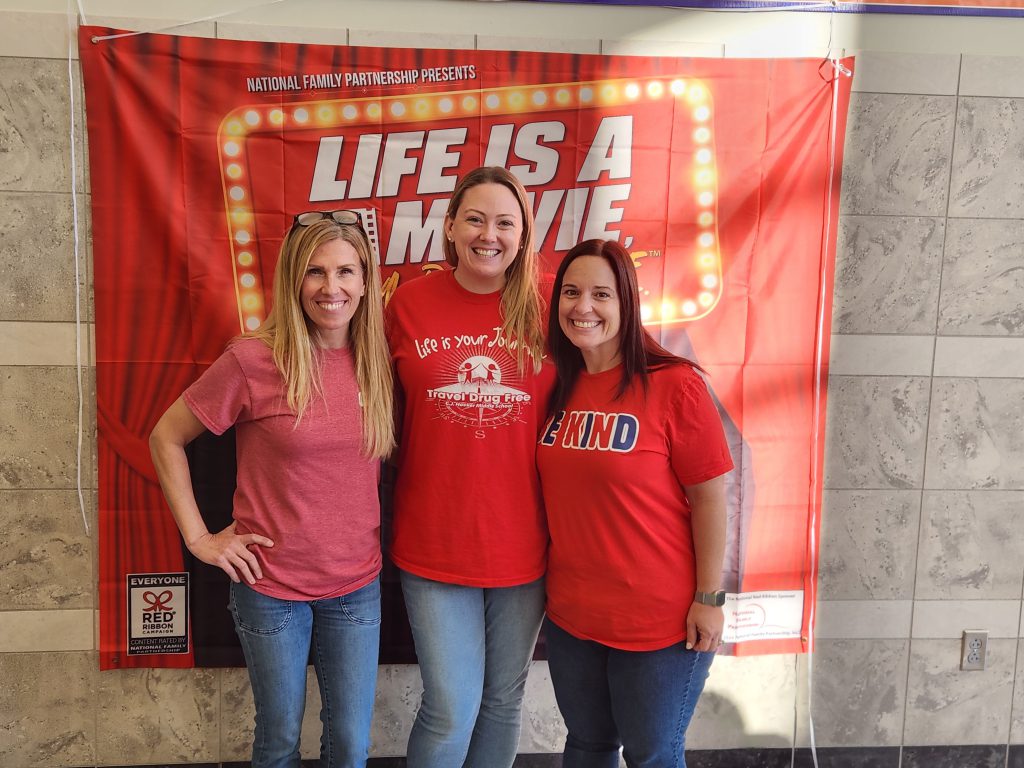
point(974, 650)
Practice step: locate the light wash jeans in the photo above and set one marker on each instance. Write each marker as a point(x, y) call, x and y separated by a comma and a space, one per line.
point(641, 701)
point(276, 635)
point(474, 647)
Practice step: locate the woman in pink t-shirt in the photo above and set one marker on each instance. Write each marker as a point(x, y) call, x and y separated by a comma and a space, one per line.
point(632, 465)
point(310, 397)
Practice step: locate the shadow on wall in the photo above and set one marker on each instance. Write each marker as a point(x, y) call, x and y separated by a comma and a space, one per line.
point(771, 751)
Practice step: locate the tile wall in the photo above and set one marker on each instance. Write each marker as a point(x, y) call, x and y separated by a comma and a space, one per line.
point(924, 502)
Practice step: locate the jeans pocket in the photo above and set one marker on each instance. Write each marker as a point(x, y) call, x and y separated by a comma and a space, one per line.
point(258, 614)
point(363, 605)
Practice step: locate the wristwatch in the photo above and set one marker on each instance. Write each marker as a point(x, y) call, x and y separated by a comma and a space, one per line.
point(715, 599)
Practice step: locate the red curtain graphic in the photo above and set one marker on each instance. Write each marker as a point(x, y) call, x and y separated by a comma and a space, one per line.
point(719, 176)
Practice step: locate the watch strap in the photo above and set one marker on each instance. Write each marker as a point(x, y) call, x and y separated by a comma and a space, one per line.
point(715, 599)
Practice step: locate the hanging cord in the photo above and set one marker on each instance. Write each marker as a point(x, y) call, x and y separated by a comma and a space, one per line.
point(175, 25)
point(72, 35)
point(805, 6)
point(838, 71)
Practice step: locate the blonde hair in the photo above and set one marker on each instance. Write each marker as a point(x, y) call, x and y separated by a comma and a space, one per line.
point(292, 338)
point(521, 305)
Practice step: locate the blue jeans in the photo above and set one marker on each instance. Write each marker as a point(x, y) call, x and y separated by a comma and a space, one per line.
point(276, 635)
point(639, 700)
point(474, 647)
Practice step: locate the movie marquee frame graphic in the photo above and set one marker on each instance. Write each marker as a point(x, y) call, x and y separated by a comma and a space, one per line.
point(690, 94)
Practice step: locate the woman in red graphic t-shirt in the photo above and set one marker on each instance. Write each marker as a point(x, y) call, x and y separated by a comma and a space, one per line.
point(310, 397)
point(632, 464)
point(469, 533)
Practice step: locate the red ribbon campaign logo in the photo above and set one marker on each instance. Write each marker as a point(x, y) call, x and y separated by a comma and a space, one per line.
point(157, 613)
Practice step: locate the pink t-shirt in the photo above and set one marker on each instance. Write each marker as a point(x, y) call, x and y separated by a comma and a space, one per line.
point(307, 487)
point(621, 567)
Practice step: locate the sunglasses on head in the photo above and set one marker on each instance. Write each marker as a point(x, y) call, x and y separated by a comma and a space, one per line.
point(342, 216)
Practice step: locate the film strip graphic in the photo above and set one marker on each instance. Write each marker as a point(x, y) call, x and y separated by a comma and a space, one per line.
point(700, 180)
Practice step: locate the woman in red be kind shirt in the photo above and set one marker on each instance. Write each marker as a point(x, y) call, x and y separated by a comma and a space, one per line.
point(632, 465)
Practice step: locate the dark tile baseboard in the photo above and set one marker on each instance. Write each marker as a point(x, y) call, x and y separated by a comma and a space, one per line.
point(984, 756)
point(850, 757)
point(738, 758)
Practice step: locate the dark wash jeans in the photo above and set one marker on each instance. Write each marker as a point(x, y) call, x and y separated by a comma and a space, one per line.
point(641, 701)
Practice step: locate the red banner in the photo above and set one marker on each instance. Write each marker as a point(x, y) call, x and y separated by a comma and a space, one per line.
point(720, 176)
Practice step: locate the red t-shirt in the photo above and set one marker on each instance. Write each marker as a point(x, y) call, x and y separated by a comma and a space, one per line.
point(621, 566)
point(309, 488)
point(468, 508)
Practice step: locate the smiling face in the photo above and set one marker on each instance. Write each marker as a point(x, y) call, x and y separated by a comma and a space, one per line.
point(487, 232)
point(331, 288)
point(589, 312)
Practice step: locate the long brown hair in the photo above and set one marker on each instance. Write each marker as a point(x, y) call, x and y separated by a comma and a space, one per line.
point(640, 353)
point(521, 304)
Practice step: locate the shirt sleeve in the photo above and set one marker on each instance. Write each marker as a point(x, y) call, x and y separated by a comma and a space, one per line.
point(220, 397)
point(698, 450)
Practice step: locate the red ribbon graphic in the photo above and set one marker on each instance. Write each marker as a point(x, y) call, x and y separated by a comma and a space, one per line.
point(156, 602)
